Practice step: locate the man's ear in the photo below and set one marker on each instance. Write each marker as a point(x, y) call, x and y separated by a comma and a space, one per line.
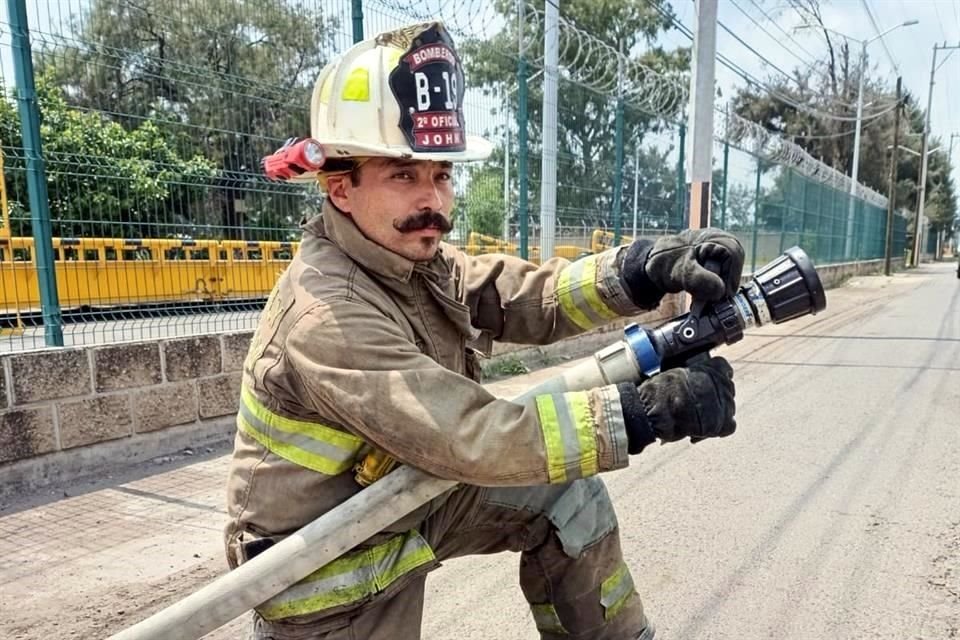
point(338, 190)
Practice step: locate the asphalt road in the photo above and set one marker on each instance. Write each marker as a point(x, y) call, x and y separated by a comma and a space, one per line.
point(832, 513)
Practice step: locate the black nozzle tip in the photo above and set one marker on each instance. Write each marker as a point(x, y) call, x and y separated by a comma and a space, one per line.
point(790, 286)
point(818, 298)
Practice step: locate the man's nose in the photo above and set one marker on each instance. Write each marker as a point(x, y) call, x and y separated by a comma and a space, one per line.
point(428, 197)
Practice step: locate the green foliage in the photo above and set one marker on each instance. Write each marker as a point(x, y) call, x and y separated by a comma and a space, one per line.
point(586, 119)
point(225, 79)
point(484, 200)
point(656, 191)
point(101, 177)
point(505, 366)
point(832, 86)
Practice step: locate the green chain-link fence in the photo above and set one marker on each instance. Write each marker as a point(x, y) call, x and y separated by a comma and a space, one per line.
point(153, 116)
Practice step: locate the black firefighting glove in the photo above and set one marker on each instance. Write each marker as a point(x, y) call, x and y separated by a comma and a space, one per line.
point(677, 263)
point(695, 402)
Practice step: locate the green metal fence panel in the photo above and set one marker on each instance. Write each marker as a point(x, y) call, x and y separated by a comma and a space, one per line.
point(155, 115)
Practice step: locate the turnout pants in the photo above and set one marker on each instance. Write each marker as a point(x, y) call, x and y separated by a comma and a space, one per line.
point(571, 567)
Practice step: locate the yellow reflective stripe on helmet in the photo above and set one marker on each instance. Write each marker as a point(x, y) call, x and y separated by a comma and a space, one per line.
point(357, 85)
point(351, 578)
point(569, 435)
point(579, 297)
point(308, 444)
point(615, 591)
point(546, 618)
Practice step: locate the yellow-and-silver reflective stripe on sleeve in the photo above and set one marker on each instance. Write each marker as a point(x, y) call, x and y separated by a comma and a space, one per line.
point(579, 297)
point(351, 577)
point(308, 444)
point(569, 434)
point(615, 591)
point(546, 618)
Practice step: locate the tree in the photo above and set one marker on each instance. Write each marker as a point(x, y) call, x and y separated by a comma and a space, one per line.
point(227, 78)
point(484, 201)
point(585, 117)
point(799, 108)
point(103, 179)
point(656, 192)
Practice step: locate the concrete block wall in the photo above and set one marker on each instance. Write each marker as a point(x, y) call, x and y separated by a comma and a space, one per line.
point(56, 402)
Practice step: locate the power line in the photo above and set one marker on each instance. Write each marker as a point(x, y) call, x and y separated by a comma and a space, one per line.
point(752, 50)
point(940, 20)
point(762, 28)
point(755, 52)
point(945, 38)
point(811, 65)
point(876, 27)
point(779, 28)
point(750, 79)
point(833, 135)
point(956, 14)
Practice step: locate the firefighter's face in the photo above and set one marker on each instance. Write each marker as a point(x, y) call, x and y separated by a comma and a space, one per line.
point(403, 205)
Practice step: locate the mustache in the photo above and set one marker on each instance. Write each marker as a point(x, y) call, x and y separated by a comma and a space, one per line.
point(423, 220)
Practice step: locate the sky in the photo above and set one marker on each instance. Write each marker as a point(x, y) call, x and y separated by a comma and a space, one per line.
point(911, 48)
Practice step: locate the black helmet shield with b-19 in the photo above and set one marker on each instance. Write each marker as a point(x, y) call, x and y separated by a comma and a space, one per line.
point(428, 85)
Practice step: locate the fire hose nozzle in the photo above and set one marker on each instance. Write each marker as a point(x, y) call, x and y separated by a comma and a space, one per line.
point(786, 288)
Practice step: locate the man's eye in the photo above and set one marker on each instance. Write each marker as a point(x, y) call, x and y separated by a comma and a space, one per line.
point(444, 177)
point(403, 175)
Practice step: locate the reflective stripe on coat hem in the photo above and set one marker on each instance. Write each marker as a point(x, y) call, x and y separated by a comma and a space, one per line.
point(351, 578)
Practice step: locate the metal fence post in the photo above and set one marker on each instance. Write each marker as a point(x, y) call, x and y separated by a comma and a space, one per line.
point(723, 185)
point(803, 213)
point(36, 173)
point(618, 174)
point(522, 214)
point(756, 218)
point(681, 180)
point(356, 11)
point(786, 210)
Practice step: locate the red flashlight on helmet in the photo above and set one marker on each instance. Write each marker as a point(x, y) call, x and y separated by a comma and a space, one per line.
point(295, 157)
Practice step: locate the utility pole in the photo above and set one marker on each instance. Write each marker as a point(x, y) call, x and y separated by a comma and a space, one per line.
point(892, 196)
point(851, 214)
point(522, 215)
point(922, 187)
point(851, 207)
point(618, 151)
point(702, 90)
point(548, 157)
point(956, 243)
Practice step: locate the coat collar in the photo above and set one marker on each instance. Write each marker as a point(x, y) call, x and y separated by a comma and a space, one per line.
point(342, 231)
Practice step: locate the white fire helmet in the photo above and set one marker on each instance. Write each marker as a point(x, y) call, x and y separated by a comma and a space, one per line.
point(398, 95)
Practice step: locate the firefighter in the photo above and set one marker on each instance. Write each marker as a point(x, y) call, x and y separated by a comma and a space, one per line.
point(369, 342)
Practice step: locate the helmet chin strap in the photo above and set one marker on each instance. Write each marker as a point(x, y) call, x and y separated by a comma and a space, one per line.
point(323, 175)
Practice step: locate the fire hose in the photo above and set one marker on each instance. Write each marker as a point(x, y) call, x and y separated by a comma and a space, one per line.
point(784, 289)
